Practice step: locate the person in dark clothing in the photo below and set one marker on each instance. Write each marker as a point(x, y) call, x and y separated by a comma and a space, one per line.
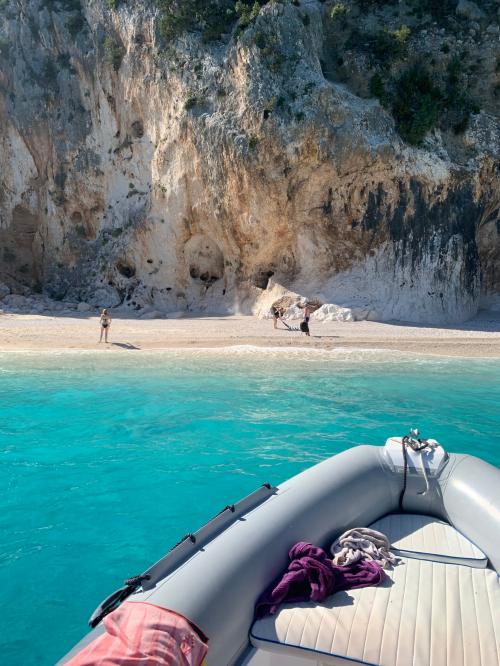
point(304, 325)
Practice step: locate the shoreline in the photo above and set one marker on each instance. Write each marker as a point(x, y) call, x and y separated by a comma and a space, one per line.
point(478, 338)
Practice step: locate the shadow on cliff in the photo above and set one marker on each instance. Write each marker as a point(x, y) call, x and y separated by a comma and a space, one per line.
point(486, 321)
point(71, 313)
point(119, 315)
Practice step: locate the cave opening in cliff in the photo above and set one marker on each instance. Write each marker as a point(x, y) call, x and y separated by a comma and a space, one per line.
point(125, 269)
point(261, 279)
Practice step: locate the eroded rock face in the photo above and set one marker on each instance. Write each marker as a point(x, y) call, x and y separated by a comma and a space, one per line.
point(199, 180)
point(204, 259)
point(20, 255)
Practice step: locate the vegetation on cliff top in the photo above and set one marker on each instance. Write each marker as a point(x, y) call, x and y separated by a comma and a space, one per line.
point(412, 57)
point(419, 97)
point(213, 17)
point(419, 104)
point(373, 46)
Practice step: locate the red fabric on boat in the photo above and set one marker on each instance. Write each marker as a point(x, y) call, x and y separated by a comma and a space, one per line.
point(140, 634)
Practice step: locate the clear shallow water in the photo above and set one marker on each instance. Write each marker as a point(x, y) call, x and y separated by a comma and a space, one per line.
point(107, 460)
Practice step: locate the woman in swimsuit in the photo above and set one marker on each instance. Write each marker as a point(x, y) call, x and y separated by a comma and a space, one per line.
point(105, 322)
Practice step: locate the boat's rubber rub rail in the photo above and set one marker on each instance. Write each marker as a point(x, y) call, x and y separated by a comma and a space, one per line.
point(182, 551)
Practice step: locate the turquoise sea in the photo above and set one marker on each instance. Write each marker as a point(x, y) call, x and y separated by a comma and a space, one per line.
point(108, 459)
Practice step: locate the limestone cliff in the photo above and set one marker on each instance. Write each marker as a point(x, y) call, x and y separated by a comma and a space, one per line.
point(198, 172)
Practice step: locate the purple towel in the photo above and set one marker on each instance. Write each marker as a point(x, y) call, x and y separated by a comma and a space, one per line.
point(312, 576)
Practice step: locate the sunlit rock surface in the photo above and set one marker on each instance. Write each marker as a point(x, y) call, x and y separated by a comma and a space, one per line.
point(208, 179)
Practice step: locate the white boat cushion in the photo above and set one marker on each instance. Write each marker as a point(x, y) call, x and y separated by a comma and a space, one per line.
point(425, 614)
point(427, 538)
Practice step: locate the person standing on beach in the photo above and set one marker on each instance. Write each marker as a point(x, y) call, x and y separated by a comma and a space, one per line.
point(276, 316)
point(304, 326)
point(105, 322)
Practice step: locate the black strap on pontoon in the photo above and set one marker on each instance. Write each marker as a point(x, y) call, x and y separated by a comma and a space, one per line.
point(405, 472)
point(228, 507)
point(189, 536)
point(135, 581)
point(115, 599)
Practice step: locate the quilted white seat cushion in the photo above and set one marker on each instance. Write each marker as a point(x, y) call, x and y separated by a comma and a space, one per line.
point(427, 538)
point(425, 614)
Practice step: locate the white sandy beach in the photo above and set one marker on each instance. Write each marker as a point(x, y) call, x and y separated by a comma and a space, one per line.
point(479, 337)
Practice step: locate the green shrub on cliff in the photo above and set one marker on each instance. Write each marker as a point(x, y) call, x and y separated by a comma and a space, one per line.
point(259, 40)
point(377, 89)
point(339, 12)
point(417, 104)
point(458, 103)
point(212, 17)
point(64, 5)
point(420, 100)
point(4, 47)
point(114, 52)
point(438, 9)
point(49, 73)
point(388, 45)
point(75, 24)
point(252, 142)
point(177, 16)
point(191, 101)
point(246, 12)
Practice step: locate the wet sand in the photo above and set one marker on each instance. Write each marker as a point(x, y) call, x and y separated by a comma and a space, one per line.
point(479, 337)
